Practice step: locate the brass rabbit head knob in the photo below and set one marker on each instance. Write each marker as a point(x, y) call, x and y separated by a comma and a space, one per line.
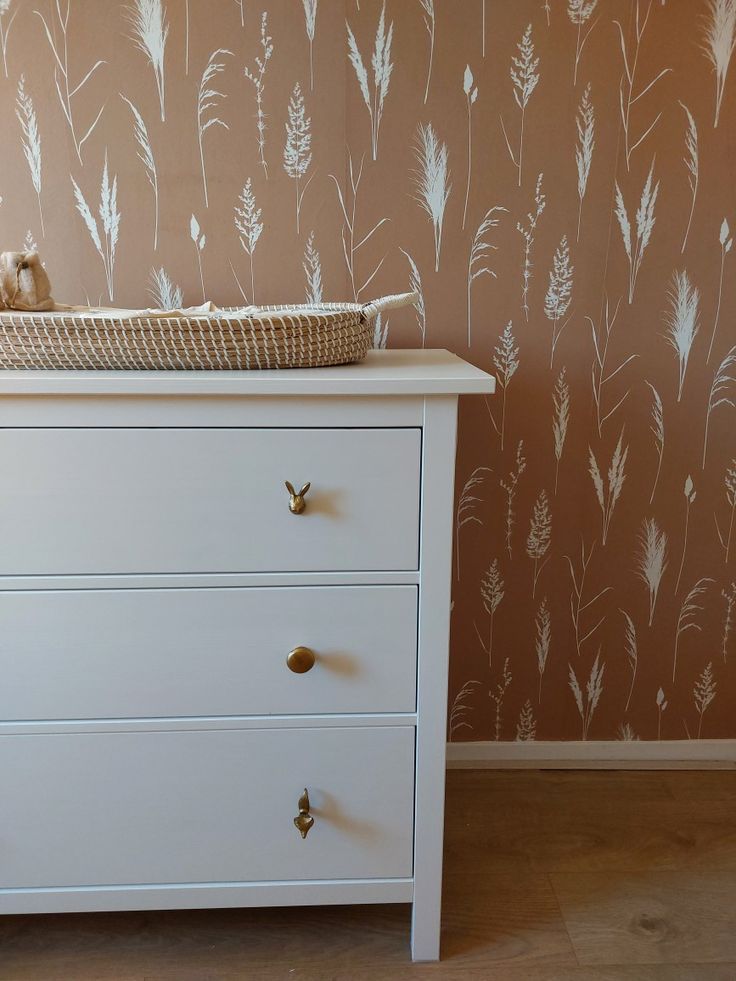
point(297, 504)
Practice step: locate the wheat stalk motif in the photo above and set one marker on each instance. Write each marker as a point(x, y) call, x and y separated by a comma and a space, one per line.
point(720, 392)
point(312, 266)
point(492, 591)
point(600, 373)
point(580, 12)
point(382, 68)
point(5, 30)
point(310, 20)
point(415, 286)
point(525, 77)
point(298, 146)
point(257, 78)
point(241, 5)
point(688, 612)
point(432, 181)
point(480, 254)
point(703, 693)
point(26, 114)
point(632, 651)
point(682, 322)
point(726, 241)
point(467, 507)
point(729, 596)
point(459, 709)
point(526, 727)
point(587, 703)
point(560, 419)
point(730, 483)
point(690, 494)
point(428, 14)
point(720, 40)
point(150, 32)
point(106, 244)
point(163, 292)
point(249, 226)
point(527, 232)
point(691, 160)
point(542, 641)
point(585, 123)
point(145, 155)
point(200, 240)
point(657, 430)
point(645, 220)
point(65, 88)
point(540, 536)
point(651, 560)
point(578, 604)
point(498, 694)
point(208, 99)
point(559, 293)
point(471, 94)
point(608, 494)
point(506, 362)
point(509, 485)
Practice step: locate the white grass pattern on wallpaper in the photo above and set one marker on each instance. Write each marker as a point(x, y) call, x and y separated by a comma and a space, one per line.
point(298, 146)
point(722, 392)
point(506, 363)
point(526, 727)
point(724, 237)
point(625, 733)
point(720, 41)
point(415, 286)
point(628, 95)
point(585, 124)
point(662, 704)
point(729, 617)
point(497, 695)
point(559, 293)
point(730, 485)
point(200, 241)
point(580, 607)
point(5, 29)
point(580, 12)
point(560, 419)
point(644, 225)
point(542, 641)
point(651, 561)
point(539, 539)
point(26, 114)
point(432, 181)
point(248, 218)
point(601, 375)
point(509, 486)
point(525, 77)
point(312, 266)
point(692, 164)
point(145, 155)
point(164, 293)
point(608, 493)
point(703, 694)
point(682, 322)
point(310, 23)
point(690, 495)
point(528, 232)
point(67, 90)
point(150, 32)
point(687, 618)
point(480, 254)
point(429, 23)
point(471, 94)
point(257, 76)
point(208, 99)
point(467, 507)
point(657, 430)
point(459, 710)
point(105, 243)
point(588, 703)
point(631, 650)
point(492, 591)
point(382, 68)
point(241, 5)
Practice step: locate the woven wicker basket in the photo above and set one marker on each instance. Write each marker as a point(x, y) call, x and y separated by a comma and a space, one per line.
point(226, 339)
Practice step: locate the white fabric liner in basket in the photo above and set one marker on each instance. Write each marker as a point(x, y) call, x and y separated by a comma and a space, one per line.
point(199, 338)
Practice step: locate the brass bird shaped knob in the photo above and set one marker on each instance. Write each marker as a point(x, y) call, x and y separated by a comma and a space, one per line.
point(304, 820)
point(297, 504)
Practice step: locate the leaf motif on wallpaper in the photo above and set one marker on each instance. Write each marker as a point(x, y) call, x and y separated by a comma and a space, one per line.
point(497, 695)
point(730, 485)
point(644, 221)
point(312, 266)
point(506, 362)
point(722, 392)
point(460, 709)
point(471, 94)
point(580, 607)
point(432, 181)
point(585, 123)
point(382, 69)
point(105, 243)
point(692, 164)
point(687, 618)
point(150, 33)
point(690, 495)
point(5, 29)
point(428, 16)
point(415, 286)
point(651, 560)
point(682, 322)
point(608, 493)
point(662, 704)
point(720, 41)
point(480, 254)
point(26, 114)
point(601, 374)
point(248, 218)
point(492, 591)
point(257, 76)
point(656, 428)
point(349, 232)
point(145, 155)
point(703, 693)
point(542, 641)
point(525, 77)
point(628, 94)
point(580, 12)
point(298, 146)
point(200, 240)
point(241, 5)
point(631, 650)
point(67, 90)
point(509, 485)
point(560, 418)
point(540, 536)
point(163, 292)
point(724, 237)
point(526, 727)
point(310, 23)
point(729, 618)
point(528, 232)
point(587, 703)
point(467, 507)
point(559, 293)
point(208, 99)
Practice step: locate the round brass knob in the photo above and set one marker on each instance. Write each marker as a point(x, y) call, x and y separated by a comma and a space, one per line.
point(300, 660)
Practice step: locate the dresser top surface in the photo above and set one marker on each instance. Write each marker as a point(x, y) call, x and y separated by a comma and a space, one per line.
point(388, 372)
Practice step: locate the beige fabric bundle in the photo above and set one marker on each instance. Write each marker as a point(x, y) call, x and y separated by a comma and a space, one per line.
point(24, 283)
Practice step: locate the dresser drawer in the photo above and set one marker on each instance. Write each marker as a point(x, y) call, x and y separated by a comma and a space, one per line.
point(106, 501)
point(92, 654)
point(194, 807)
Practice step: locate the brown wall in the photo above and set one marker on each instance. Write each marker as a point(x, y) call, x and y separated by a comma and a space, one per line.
point(698, 585)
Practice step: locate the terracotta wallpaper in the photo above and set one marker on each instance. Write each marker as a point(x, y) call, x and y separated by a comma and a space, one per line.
point(556, 179)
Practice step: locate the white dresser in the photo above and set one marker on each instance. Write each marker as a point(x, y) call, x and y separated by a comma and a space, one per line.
point(191, 657)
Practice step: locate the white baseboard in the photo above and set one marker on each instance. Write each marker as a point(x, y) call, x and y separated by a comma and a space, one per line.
point(703, 754)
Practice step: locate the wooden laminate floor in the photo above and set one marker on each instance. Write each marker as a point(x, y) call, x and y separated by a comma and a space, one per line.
point(552, 876)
